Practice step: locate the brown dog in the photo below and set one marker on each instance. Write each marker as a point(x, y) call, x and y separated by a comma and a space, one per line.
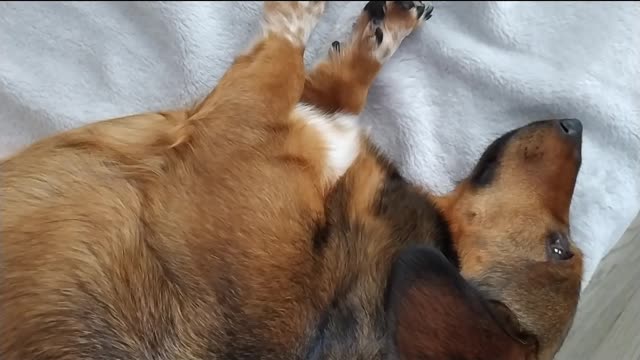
point(263, 224)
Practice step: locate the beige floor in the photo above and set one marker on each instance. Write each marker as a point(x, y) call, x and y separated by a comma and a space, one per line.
point(607, 326)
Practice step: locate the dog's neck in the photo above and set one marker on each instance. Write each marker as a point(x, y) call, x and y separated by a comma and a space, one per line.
point(354, 324)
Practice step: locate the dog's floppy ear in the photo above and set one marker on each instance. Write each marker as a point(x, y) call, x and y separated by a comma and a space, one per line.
point(433, 313)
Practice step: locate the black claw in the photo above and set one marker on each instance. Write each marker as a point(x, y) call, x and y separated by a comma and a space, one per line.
point(407, 5)
point(420, 10)
point(379, 36)
point(428, 11)
point(336, 46)
point(375, 9)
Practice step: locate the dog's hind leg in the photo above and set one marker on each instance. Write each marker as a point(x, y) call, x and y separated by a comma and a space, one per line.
point(335, 91)
point(266, 82)
point(341, 82)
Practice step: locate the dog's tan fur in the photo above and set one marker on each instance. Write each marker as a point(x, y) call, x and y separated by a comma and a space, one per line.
point(220, 231)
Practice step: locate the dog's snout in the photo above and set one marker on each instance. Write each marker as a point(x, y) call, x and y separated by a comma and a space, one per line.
point(571, 127)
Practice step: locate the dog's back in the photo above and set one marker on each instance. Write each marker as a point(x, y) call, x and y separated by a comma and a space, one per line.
point(80, 277)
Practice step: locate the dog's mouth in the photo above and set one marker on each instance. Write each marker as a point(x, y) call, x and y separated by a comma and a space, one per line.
point(509, 323)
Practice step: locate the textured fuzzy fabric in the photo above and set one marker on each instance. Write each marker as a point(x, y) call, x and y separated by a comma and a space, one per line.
point(473, 72)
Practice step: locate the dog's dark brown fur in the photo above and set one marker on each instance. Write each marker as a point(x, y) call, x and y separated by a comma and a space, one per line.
point(218, 233)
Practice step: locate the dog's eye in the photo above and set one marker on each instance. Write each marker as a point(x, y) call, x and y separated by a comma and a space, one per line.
point(558, 247)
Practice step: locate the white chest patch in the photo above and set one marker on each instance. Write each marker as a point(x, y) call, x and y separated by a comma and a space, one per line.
point(341, 135)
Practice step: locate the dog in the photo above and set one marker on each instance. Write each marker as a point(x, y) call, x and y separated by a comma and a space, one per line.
point(262, 223)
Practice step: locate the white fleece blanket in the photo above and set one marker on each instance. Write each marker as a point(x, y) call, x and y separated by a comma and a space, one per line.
point(476, 70)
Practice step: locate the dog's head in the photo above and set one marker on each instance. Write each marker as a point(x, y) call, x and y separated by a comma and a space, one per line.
point(509, 222)
point(510, 225)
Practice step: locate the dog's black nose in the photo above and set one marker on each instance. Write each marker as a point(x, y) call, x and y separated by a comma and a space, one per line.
point(571, 127)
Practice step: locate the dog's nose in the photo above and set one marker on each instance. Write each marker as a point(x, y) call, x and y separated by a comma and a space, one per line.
point(571, 127)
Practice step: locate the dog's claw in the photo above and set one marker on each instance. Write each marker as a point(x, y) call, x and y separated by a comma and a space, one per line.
point(423, 8)
point(375, 9)
point(420, 10)
point(379, 35)
point(335, 46)
point(386, 23)
point(428, 10)
point(407, 5)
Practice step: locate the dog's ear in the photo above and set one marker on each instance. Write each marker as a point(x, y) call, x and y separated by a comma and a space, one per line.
point(433, 313)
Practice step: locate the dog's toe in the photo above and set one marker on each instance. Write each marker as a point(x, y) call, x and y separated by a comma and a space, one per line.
point(423, 9)
point(407, 5)
point(376, 10)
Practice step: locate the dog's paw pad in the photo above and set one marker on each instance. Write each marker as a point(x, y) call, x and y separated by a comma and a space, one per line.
point(389, 22)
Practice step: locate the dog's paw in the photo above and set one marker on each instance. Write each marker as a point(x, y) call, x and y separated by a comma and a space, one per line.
point(423, 10)
point(293, 20)
point(386, 23)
